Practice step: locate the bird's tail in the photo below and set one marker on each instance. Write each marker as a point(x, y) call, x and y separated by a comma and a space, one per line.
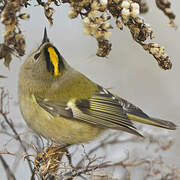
point(152, 121)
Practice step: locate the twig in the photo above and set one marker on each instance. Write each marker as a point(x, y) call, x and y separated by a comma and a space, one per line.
point(106, 142)
point(11, 125)
point(9, 173)
point(17, 137)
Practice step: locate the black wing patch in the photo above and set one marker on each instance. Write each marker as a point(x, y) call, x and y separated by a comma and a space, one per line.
point(130, 108)
point(55, 109)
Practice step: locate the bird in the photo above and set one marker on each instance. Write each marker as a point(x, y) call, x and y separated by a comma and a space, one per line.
point(63, 105)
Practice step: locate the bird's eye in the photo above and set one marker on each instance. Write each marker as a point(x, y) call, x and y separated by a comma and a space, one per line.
point(36, 55)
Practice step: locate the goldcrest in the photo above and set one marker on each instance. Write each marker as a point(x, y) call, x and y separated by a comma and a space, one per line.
point(65, 106)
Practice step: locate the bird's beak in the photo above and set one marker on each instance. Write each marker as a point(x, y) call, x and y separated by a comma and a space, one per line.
point(45, 38)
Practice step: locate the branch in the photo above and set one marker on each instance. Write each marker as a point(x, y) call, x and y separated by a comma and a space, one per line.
point(10, 175)
point(11, 125)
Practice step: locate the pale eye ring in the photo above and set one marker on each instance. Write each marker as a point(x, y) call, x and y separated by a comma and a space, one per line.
point(36, 56)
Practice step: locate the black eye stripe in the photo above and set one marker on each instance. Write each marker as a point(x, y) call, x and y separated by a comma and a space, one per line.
point(36, 56)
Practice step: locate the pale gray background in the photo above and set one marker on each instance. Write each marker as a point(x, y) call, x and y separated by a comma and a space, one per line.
point(130, 71)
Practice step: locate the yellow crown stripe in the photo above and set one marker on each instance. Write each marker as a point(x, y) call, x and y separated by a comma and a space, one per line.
point(54, 59)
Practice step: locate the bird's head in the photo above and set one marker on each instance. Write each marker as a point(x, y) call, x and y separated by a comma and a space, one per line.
point(46, 60)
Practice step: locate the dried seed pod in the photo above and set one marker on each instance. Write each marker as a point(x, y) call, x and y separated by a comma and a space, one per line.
point(72, 14)
point(139, 30)
point(20, 44)
point(24, 16)
point(95, 5)
point(98, 34)
point(104, 2)
point(94, 27)
point(87, 30)
point(49, 13)
point(159, 54)
point(125, 13)
point(142, 5)
point(106, 26)
point(105, 16)
point(125, 4)
point(165, 6)
point(103, 5)
point(119, 24)
point(8, 15)
point(93, 14)
point(104, 47)
point(98, 20)
point(139, 20)
point(5, 52)
point(86, 21)
point(107, 34)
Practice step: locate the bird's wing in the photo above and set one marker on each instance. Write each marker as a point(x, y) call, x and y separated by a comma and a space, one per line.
point(103, 109)
point(131, 109)
point(136, 114)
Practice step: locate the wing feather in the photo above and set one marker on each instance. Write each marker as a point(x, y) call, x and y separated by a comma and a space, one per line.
point(103, 110)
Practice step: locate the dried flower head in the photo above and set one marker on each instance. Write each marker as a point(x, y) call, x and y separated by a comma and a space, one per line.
point(95, 15)
point(165, 6)
point(159, 54)
point(14, 41)
point(104, 47)
point(48, 161)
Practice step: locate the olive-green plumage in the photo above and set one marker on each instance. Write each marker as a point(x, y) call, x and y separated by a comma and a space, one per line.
point(63, 105)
